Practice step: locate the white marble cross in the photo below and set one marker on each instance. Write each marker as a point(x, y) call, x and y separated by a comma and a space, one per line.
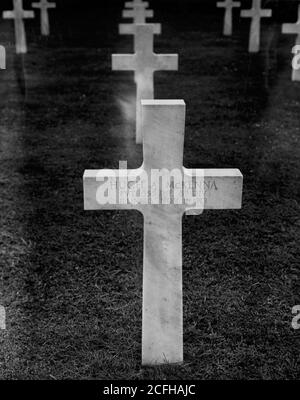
point(138, 14)
point(294, 29)
point(256, 13)
point(163, 190)
point(44, 5)
point(144, 62)
point(19, 14)
point(228, 5)
point(132, 4)
point(2, 57)
point(130, 29)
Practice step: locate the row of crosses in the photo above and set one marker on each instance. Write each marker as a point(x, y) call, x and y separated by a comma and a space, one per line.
point(161, 130)
point(19, 14)
point(256, 13)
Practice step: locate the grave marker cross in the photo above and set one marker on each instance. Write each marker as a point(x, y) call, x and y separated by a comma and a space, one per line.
point(256, 13)
point(163, 130)
point(228, 5)
point(19, 14)
point(144, 62)
point(138, 14)
point(294, 29)
point(44, 5)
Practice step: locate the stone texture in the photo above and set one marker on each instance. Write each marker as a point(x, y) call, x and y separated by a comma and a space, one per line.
point(163, 128)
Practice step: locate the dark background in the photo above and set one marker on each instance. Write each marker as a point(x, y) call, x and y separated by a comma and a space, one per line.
point(71, 281)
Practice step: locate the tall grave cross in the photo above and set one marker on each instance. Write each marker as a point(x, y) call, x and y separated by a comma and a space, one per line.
point(144, 62)
point(19, 14)
point(44, 5)
point(294, 29)
point(138, 14)
point(228, 5)
point(2, 66)
point(256, 13)
point(153, 193)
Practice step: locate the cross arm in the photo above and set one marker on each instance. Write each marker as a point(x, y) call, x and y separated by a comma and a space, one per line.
point(123, 62)
point(28, 14)
point(247, 13)
point(167, 62)
point(8, 14)
point(224, 4)
point(267, 13)
point(130, 29)
point(222, 188)
point(129, 4)
point(132, 13)
point(40, 5)
point(292, 29)
point(108, 189)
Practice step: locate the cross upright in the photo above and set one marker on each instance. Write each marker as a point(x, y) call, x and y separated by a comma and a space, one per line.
point(138, 14)
point(228, 5)
point(2, 57)
point(256, 13)
point(132, 4)
point(294, 29)
point(44, 5)
point(2, 318)
point(144, 62)
point(153, 194)
point(19, 14)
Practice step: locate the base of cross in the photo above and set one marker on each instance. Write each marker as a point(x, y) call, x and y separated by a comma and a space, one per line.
point(163, 190)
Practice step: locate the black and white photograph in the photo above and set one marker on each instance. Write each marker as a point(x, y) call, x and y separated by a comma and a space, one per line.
point(150, 192)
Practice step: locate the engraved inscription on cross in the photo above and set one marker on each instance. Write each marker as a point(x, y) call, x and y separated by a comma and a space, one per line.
point(44, 5)
point(139, 14)
point(256, 13)
point(228, 5)
point(294, 29)
point(19, 14)
point(163, 145)
point(144, 62)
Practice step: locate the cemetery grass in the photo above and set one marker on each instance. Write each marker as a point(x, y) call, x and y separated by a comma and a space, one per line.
point(71, 281)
